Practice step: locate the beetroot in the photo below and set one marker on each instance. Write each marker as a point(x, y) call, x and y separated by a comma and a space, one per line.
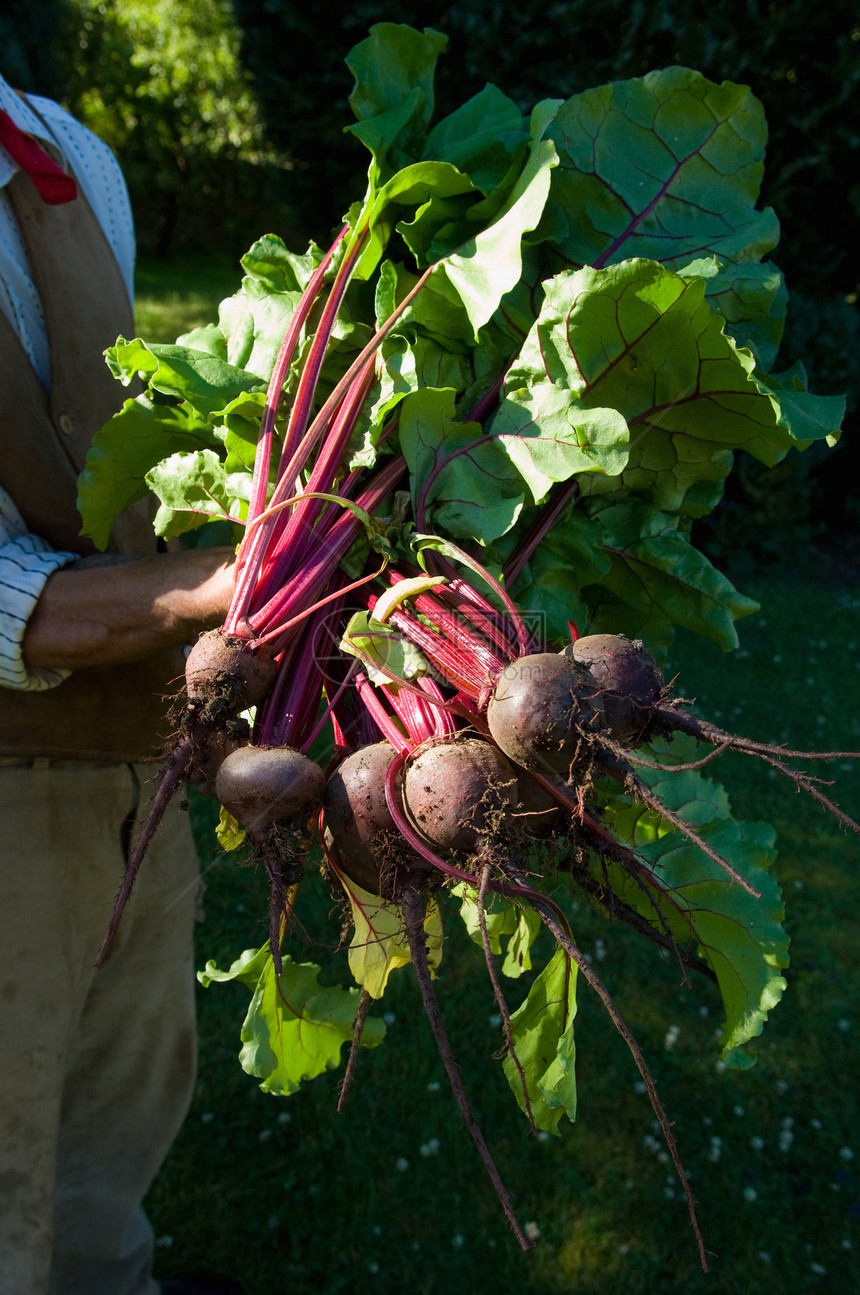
point(264, 786)
point(460, 793)
point(227, 666)
point(537, 812)
point(272, 791)
point(629, 684)
point(361, 832)
point(541, 711)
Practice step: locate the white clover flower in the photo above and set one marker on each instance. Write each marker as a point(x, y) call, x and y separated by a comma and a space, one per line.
point(402, 1164)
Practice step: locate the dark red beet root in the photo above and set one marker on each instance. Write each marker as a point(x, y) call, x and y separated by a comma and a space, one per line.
point(356, 810)
point(225, 665)
point(537, 813)
point(264, 785)
point(621, 664)
point(540, 711)
point(272, 791)
point(460, 793)
point(367, 841)
point(362, 834)
point(628, 681)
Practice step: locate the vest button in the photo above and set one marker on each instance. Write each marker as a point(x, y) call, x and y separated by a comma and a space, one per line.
point(65, 424)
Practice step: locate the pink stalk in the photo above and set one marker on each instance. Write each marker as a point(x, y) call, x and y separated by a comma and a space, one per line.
point(421, 719)
point(548, 516)
point(317, 429)
point(460, 635)
point(459, 670)
point(280, 634)
point(287, 551)
point(485, 618)
point(523, 636)
point(315, 575)
point(306, 390)
point(279, 373)
point(296, 428)
point(291, 707)
point(386, 725)
point(329, 714)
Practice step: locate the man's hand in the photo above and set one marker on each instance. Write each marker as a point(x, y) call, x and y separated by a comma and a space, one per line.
point(106, 609)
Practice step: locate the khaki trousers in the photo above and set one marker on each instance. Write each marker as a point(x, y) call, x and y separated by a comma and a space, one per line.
point(96, 1066)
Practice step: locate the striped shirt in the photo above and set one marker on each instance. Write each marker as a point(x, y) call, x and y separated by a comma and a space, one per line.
point(26, 561)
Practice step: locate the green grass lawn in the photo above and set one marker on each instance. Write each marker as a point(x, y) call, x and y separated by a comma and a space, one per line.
point(173, 297)
point(285, 1194)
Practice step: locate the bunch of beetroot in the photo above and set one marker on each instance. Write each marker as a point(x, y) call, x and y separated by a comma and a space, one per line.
point(461, 748)
point(464, 770)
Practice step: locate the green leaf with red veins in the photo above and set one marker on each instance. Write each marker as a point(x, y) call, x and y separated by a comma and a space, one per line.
point(500, 916)
point(752, 299)
point(295, 1027)
point(641, 340)
point(548, 588)
point(478, 493)
point(424, 186)
point(656, 570)
point(206, 382)
point(379, 944)
point(488, 264)
point(666, 166)
point(518, 956)
point(194, 489)
point(739, 937)
point(807, 417)
point(271, 262)
point(520, 926)
point(479, 137)
point(549, 438)
point(253, 322)
point(545, 1047)
point(123, 451)
point(392, 99)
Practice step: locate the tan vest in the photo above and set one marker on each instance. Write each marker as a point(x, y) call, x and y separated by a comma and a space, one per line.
point(104, 712)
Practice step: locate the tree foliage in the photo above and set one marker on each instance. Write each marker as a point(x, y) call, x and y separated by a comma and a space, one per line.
point(228, 117)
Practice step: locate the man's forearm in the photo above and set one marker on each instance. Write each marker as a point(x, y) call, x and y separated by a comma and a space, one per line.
point(107, 610)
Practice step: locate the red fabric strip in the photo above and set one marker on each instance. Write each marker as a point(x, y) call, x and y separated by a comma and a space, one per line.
point(54, 185)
